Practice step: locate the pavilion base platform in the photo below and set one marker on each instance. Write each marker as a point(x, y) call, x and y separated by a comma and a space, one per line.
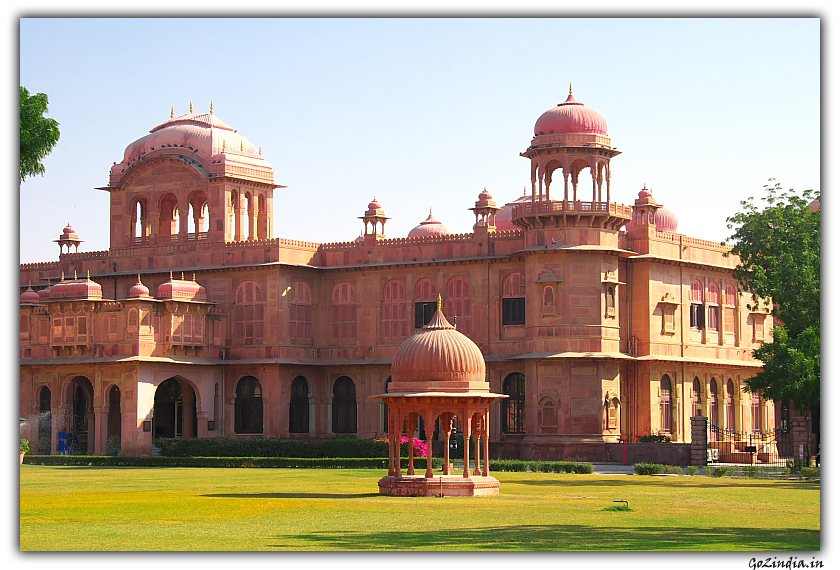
point(442, 485)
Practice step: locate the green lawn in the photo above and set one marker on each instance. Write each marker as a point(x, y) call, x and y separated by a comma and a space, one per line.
point(121, 508)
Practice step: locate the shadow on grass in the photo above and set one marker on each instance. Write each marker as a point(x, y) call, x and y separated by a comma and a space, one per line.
point(568, 537)
point(292, 495)
point(661, 482)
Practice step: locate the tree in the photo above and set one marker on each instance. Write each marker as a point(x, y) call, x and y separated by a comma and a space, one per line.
point(779, 247)
point(38, 134)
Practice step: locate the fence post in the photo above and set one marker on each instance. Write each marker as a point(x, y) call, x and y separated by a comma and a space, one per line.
point(699, 440)
point(799, 430)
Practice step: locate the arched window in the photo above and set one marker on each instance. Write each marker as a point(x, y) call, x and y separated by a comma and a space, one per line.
point(666, 411)
point(548, 298)
point(24, 327)
point(250, 203)
point(548, 413)
point(343, 314)
point(755, 405)
point(714, 307)
point(696, 401)
point(300, 314)
point(394, 313)
point(425, 301)
point(248, 319)
point(44, 421)
point(730, 312)
point(248, 408)
point(458, 307)
point(730, 405)
point(610, 301)
point(714, 410)
point(613, 411)
point(697, 315)
point(299, 406)
point(513, 299)
point(140, 226)
point(513, 407)
point(344, 406)
point(262, 218)
point(168, 222)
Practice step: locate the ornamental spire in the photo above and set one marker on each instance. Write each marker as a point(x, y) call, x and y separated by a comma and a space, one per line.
point(440, 302)
point(211, 107)
point(191, 108)
point(172, 112)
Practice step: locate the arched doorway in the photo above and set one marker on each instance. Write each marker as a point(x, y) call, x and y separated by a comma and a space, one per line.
point(175, 410)
point(513, 408)
point(81, 421)
point(44, 421)
point(344, 406)
point(666, 409)
point(299, 406)
point(114, 414)
point(248, 409)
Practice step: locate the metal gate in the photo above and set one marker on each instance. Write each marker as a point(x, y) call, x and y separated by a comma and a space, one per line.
point(773, 447)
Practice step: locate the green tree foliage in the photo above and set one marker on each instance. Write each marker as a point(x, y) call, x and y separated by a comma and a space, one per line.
point(38, 134)
point(779, 247)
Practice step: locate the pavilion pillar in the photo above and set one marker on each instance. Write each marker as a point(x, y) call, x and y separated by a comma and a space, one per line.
point(429, 422)
point(397, 435)
point(565, 186)
point(412, 421)
point(447, 432)
point(467, 425)
point(486, 472)
point(477, 445)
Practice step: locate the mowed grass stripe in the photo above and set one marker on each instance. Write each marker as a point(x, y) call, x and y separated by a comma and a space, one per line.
point(79, 508)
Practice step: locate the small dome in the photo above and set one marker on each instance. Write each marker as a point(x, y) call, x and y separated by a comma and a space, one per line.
point(504, 217)
point(181, 290)
point(429, 227)
point(69, 233)
point(570, 117)
point(374, 205)
point(44, 293)
point(76, 289)
point(438, 359)
point(485, 195)
point(30, 296)
point(139, 291)
point(666, 220)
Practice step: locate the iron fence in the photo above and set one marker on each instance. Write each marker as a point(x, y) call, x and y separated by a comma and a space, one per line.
point(772, 447)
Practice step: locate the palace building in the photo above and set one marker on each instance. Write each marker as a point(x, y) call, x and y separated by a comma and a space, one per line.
point(596, 319)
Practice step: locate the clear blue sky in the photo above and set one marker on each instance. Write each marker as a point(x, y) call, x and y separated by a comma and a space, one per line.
point(424, 113)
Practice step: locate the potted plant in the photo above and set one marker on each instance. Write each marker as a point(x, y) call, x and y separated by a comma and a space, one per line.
point(24, 448)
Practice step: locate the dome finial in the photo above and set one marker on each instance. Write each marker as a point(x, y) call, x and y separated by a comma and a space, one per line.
point(172, 112)
point(88, 275)
point(570, 88)
point(260, 151)
point(440, 302)
point(211, 107)
point(191, 108)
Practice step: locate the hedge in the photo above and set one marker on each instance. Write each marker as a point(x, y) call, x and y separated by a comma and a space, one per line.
point(272, 447)
point(649, 468)
point(540, 466)
point(229, 462)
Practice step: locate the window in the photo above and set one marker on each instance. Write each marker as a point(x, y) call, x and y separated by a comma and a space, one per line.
point(696, 401)
point(248, 407)
point(343, 314)
point(513, 408)
point(394, 313)
point(458, 308)
point(730, 312)
point(613, 408)
point(730, 405)
point(248, 323)
point(548, 298)
point(758, 327)
point(666, 411)
point(300, 314)
point(299, 406)
point(425, 301)
point(669, 319)
point(344, 406)
point(714, 411)
point(24, 327)
point(513, 299)
point(756, 412)
point(697, 311)
point(610, 301)
point(714, 307)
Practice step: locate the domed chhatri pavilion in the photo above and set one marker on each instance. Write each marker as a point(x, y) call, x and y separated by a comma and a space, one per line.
point(583, 318)
point(438, 374)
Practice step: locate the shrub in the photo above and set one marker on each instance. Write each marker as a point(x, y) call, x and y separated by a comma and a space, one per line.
point(692, 470)
point(673, 469)
point(795, 465)
point(649, 468)
point(718, 471)
point(541, 466)
point(24, 445)
point(810, 473)
point(229, 462)
point(421, 448)
point(272, 447)
point(654, 438)
point(751, 471)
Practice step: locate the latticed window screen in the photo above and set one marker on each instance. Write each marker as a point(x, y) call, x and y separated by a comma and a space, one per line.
point(458, 306)
point(343, 314)
point(300, 314)
point(43, 330)
point(666, 410)
point(394, 313)
point(248, 323)
point(112, 327)
point(513, 407)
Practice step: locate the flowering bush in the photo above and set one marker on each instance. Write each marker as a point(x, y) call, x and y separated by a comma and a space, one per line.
point(421, 449)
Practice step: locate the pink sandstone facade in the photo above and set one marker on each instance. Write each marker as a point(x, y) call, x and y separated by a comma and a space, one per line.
point(597, 319)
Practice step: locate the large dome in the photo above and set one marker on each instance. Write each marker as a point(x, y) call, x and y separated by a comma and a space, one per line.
point(570, 117)
point(429, 227)
point(504, 217)
point(438, 359)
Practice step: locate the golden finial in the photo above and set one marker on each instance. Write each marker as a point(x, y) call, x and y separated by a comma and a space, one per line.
point(62, 276)
point(88, 273)
point(570, 88)
point(211, 107)
point(75, 274)
point(193, 276)
point(182, 276)
point(138, 278)
point(241, 146)
point(191, 108)
point(260, 151)
point(224, 145)
point(172, 112)
point(170, 275)
point(440, 302)
point(524, 190)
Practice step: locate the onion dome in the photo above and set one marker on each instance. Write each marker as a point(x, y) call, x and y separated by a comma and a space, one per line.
point(360, 239)
point(429, 227)
point(69, 234)
point(485, 200)
point(44, 293)
point(664, 219)
point(29, 296)
point(438, 359)
point(374, 205)
point(570, 117)
point(76, 289)
point(814, 205)
point(181, 290)
point(139, 291)
point(504, 217)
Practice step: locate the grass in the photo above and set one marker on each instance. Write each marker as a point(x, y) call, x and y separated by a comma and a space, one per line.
point(122, 508)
